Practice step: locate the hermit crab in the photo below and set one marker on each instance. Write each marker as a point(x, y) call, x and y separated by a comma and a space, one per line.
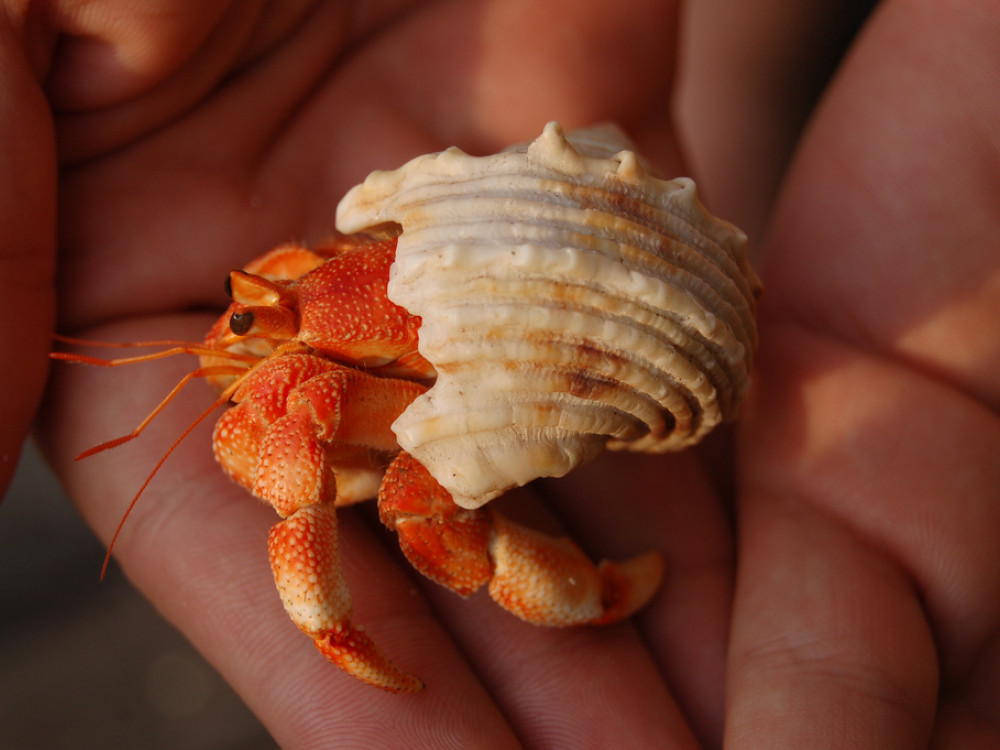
point(475, 324)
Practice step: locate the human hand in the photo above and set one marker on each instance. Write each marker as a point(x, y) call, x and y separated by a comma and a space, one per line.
point(218, 197)
point(867, 602)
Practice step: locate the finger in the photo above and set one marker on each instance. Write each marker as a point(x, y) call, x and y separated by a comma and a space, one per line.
point(124, 70)
point(196, 545)
point(886, 236)
point(181, 223)
point(751, 72)
point(517, 65)
point(622, 505)
point(315, 120)
point(829, 645)
point(871, 449)
point(576, 686)
point(27, 249)
point(830, 642)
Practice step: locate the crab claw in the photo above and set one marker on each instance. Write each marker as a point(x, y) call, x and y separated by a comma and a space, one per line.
point(306, 567)
point(542, 579)
point(550, 581)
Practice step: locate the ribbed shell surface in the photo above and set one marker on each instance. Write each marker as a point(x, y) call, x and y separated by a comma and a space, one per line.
point(570, 301)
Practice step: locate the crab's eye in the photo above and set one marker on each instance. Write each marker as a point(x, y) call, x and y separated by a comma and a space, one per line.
point(239, 323)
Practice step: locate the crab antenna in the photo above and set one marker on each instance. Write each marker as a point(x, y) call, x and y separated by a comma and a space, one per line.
point(201, 372)
point(97, 343)
point(223, 398)
point(176, 348)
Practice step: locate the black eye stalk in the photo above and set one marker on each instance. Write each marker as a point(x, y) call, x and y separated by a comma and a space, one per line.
point(264, 309)
point(241, 322)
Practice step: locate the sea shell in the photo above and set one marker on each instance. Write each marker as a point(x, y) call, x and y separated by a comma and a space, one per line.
point(570, 301)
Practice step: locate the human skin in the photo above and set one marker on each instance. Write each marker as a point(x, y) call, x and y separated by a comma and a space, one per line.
point(847, 595)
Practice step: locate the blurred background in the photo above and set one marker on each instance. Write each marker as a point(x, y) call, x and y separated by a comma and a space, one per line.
point(90, 664)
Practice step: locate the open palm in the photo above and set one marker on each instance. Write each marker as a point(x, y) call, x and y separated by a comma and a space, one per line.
point(866, 595)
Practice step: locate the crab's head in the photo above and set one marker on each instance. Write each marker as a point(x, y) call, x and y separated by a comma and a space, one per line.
point(330, 301)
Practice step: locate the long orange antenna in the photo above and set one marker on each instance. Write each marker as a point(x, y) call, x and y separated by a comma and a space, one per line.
point(223, 398)
point(242, 363)
point(201, 372)
point(98, 343)
point(174, 348)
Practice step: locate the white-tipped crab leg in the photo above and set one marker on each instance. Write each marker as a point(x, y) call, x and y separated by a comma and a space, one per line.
point(306, 565)
point(296, 421)
point(550, 581)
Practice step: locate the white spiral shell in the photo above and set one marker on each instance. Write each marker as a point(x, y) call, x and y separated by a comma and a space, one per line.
point(570, 301)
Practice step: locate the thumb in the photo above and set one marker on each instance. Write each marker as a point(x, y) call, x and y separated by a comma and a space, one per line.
point(27, 242)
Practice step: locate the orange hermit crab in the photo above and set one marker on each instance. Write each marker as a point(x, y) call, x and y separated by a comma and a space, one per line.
point(492, 320)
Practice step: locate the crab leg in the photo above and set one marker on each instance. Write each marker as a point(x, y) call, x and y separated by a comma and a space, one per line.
point(542, 579)
point(306, 567)
point(292, 450)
